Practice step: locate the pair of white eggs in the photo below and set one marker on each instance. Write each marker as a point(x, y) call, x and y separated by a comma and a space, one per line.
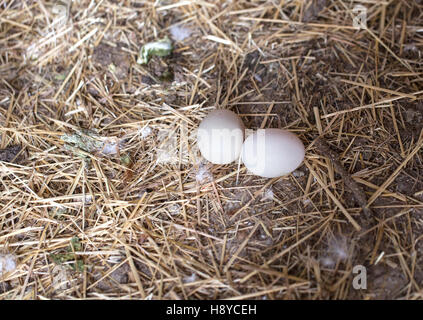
point(267, 153)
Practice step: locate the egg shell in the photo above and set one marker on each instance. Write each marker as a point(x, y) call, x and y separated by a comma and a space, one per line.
point(220, 136)
point(272, 153)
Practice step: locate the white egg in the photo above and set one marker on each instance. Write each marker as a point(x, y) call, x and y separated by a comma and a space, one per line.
point(220, 136)
point(272, 153)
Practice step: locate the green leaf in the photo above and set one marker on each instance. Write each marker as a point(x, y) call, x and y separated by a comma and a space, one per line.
point(63, 258)
point(126, 160)
point(60, 77)
point(78, 266)
point(160, 48)
point(75, 245)
point(112, 68)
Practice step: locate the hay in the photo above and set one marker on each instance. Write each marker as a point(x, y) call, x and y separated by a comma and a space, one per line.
point(153, 220)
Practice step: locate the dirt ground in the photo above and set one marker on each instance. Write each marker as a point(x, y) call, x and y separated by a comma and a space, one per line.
point(104, 194)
